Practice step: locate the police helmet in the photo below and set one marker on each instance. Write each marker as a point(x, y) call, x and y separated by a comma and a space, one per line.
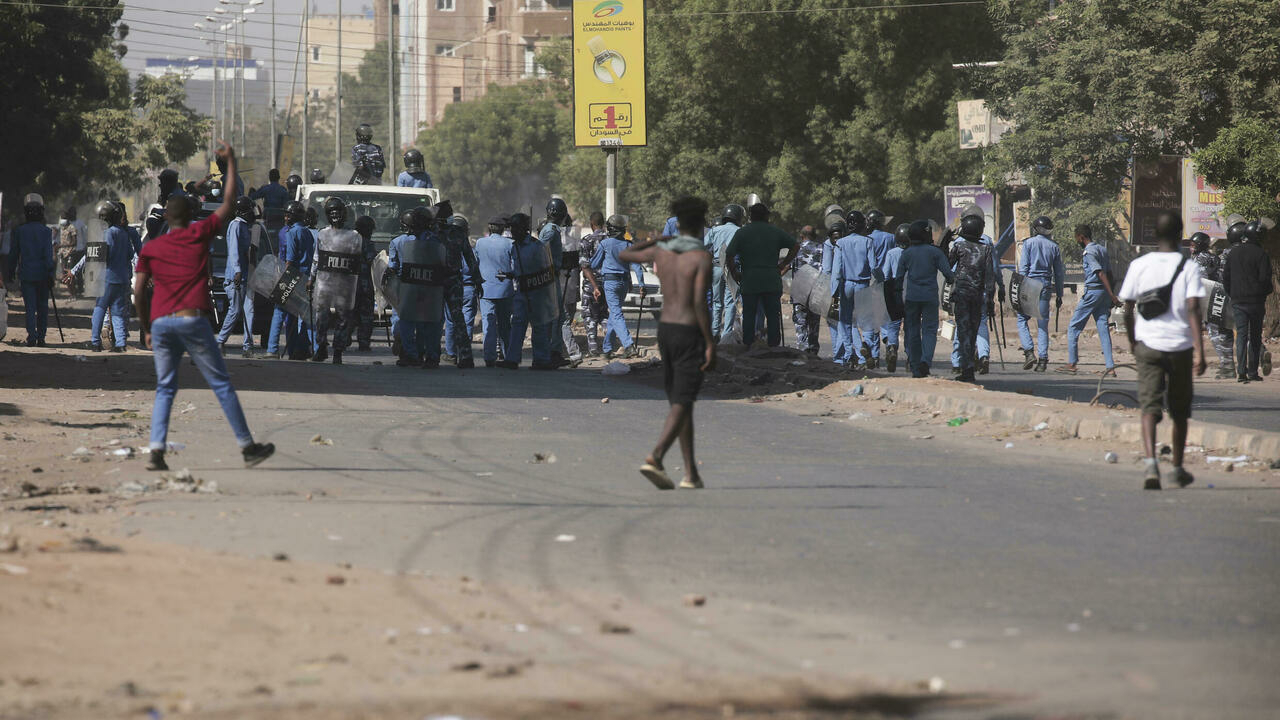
point(312, 218)
point(245, 209)
point(108, 212)
point(1199, 242)
point(443, 210)
point(837, 229)
point(1255, 231)
point(124, 213)
point(423, 217)
point(734, 213)
point(291, 183)
point(557, 210)
point(168, 179)
point(336, 211)
point(857, 222)
point(406, 221)
point(295, 211)
point(616, 226)
point(920, 233)
point(519, 224)
point(460, 222)
point(875, 220)
point(1235, 233)
point(364, 133)
point(1042, 226)
point(972, 209)
point(902, 235)
point(365, 226)
point(317, 177)
point(413, 161)
point(971, 227)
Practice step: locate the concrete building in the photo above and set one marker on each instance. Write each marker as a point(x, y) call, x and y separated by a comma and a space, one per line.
point(200, 74)
point(452, 50)
point(359, 34)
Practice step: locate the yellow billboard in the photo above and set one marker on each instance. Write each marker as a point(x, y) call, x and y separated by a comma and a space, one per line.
point(608, 73)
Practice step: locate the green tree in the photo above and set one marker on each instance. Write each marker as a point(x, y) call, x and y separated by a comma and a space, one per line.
point(1244, 160)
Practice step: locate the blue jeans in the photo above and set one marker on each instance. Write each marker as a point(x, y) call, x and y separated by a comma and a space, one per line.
point(724, 304)
point(1042, 328)
point(239, 307)
point(983, 343)
point(850, 336)
point(1095, 304)
point(468, 318)
point(770, 303)
point(278, 319)
point(495, 318)
point(837, 341)
point(115, 297)
point(35, 298)
point(890, 332)
point(421, 339)
point(519, 325)
point(921, 327)
point(170, 337)
point(614, 292)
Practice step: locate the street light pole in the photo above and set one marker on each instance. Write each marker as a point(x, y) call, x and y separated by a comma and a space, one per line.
point(337, 119)
point(391, 89)
point(306, 80)
point(243, 117)
point(272, 144)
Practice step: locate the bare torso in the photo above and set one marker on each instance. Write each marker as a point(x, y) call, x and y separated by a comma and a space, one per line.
point(685, 278)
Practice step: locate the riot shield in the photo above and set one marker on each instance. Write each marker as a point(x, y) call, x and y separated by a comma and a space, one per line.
point(259, 246)
point(1217, 306)
point(869, 308)
point(386, 293)
point(95, 259)
point(284, 287)
point(811, 288)
point(423, 274)
point(1024, 295)
point(337, 265)
point(539, 288)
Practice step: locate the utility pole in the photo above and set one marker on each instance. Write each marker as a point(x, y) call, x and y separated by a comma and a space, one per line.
point(272, 145)
point(391, 90)
point(337, 120)
point(610, 181)
point(240, 52)
point(306, 80)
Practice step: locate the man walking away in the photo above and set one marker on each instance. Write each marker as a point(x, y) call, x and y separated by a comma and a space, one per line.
point(235, 281)
point(974, 282)
point(31, 260)
point(807, 323)
point(830, 251)
point(724, 296)
point(274, 197)
point(611, 277)
point(1095, 303)
point(893, 329)
point(918, 269)
point(1040, 261)
point(1211, 267)
point(176, 319)
point(595, 311)
point(684, 333)
point(1247, 278)
point(1166, 340)
point(760, 279)
point(496, 268)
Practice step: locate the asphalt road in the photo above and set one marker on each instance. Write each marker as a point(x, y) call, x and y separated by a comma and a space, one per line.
point(853, 551)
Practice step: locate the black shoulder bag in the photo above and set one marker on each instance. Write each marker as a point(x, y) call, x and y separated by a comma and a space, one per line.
point(1154, 303)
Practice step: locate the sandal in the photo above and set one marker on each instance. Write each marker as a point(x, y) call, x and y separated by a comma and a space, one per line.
point(1067, 370)
point(1107, 372)
point(657, 476)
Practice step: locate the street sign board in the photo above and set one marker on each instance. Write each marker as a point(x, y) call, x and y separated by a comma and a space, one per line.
point(1202, 206)
point(609, 73)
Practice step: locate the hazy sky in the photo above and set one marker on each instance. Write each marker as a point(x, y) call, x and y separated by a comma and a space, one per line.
point(163, 28)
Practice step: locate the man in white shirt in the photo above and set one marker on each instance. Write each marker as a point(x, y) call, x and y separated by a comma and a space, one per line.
point(1165, 337)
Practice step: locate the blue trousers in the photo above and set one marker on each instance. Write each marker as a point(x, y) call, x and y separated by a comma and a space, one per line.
point(850, 336)
point(115, 298)
point(35, 298)
point(495, 318)
point(921, 326)
point(1096, 304)
point(170, 337)
point(1042, 328)
point(614, 292)
point(278, 319)
point(421, 339)
point(984, 341)
point(724, 304)
point(239, 312)
point(837, 342)
point(519, 325)
point(768, 303)
point(468, 318)
point(890, 332)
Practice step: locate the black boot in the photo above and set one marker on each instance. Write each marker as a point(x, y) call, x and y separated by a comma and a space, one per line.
point(891, 358)
point(984, 365)
point(256, 453)
point(322, 353)
point(337, 356)
point(155, 461)
point(1028, 359)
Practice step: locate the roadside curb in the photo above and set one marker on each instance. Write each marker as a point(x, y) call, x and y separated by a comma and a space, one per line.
point(1071, 419)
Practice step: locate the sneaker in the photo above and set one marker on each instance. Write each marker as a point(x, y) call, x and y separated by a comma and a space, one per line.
point(1266, 362)
point(1182, 477)
point(1242, 378)
point(955, 370)
point(1255, 377)
point(447, 358)
point(984, 365)
point(96, 347)
point(246, 354)
point(431, 364)
point(256, 453)
point(116, 349)
point(890, 358)
point(1042, 365)
point(1151, 480)
point(508, 365)
point(466, 364)
point(155, 461)
point(630, 351)
point(1028, 359)
point(321, 354)
point(873, 363)
point(694, 484)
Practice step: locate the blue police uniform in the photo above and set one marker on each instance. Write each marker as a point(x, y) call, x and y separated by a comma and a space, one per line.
point(494, 263)
point(1040, 261)
point(459, 297)
point(368, 161)
point(274, 196)
point(671, 229)
point(550, 236)
point(31, 260)
point(918, 267)
point(833, 326)
point(881, 242)
point(889, 273)
point(724, 298)
point(606, 265)
point(850, 272)
point(1095, 303)
point(417, 338)
point(984, 331)
point(239, 299)
point(529, 255)
point(415, 179)
point(115, 296)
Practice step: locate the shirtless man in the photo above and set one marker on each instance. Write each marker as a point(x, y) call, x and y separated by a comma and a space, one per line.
point(684, 331)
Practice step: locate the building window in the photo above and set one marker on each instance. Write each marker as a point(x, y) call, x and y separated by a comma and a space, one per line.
point(446, 50)
point(446, 5)
point(492, 15)
point(457, 94)
point(535, 5)
point(531, 66)
point(315, 53)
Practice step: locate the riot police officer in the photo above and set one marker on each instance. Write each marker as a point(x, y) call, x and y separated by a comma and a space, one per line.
point(552, 236)
point(610, 277)
point(365, 312)
point(1040, 261)
point(236, 275)
point(31, 259)
point(333, 284)
point(496, 269)
point(807, 323)
point(367, 158)
point(460, 263)
point(317, 176)
point(973, 283)
point(724, 291)
point(419, 263)
point(415, 173)
point(851, 271)
point(535, 300)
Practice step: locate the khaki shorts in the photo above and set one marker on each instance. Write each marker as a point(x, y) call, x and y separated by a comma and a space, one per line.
point(1164, 380)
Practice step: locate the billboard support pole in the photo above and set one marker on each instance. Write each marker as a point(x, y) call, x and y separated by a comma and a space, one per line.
point(610, 181)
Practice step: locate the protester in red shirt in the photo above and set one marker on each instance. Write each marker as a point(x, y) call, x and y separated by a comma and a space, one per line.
point(178, 315)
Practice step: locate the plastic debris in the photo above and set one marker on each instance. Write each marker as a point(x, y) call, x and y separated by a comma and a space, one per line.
point(1041, 426)
point(617, 367)
point(604, 401)
point(854, 391)
point(126, 452)
point(320, 440)
point(1008, 446)
point(188, 409)
point(543, 459)
point(1111, 458)
point(1223, 459)
point(922, 437)
point(12, 569)
point(566, 538)
point(82, 451)
point(797, 363)
point(859, 416)
point(957, 421)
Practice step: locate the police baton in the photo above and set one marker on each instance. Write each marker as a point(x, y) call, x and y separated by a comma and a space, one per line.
point(56, 317)
point(1004, 336)
point(991, 321)
point(1057, 315)
point(639, 317)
